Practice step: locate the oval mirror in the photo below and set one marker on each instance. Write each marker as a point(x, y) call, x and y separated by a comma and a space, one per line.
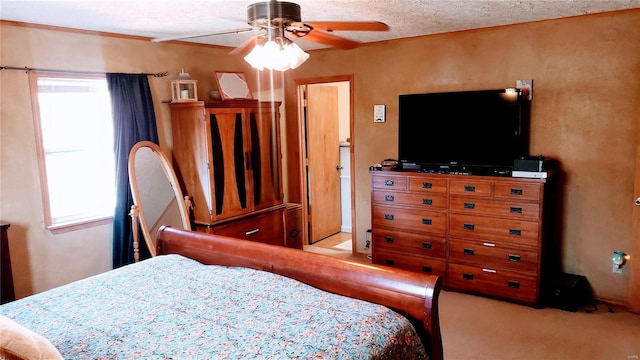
point(157, 197)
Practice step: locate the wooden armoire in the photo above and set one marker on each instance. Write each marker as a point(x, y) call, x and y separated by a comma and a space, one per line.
point(228, 157)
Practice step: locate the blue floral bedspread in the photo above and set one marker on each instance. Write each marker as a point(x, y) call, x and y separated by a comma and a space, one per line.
point(171, 307)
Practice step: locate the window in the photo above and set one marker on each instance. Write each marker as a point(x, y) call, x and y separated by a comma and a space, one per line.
point(74, 125)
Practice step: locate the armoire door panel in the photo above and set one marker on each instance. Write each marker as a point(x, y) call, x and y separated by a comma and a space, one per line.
point(228, 157)
point(265, 160)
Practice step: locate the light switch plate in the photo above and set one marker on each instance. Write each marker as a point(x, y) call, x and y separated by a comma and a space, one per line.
point(379, 113)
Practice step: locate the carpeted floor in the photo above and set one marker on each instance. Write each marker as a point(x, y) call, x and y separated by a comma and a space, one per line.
point(479, 328)
point(475, 327)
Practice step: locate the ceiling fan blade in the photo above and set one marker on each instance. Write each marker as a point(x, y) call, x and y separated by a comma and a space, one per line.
point(246, 47)
point(328, 39)
point(348, 25)
point(191, 36)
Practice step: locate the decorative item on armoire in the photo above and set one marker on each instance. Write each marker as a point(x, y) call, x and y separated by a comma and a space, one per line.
point(233, 86)
point(183, 88)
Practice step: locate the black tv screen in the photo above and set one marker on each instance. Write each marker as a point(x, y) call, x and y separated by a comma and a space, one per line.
point(483, 128)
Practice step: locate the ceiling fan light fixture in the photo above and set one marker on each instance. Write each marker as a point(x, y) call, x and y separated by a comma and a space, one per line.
point(254, 58)
point(278, 53)
point(297, 55)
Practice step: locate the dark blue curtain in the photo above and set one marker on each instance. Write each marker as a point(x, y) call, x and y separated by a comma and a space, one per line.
point(134, 120)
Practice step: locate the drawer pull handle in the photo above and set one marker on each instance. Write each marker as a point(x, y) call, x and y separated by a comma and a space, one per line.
point(469, 205)
point(469, 226)
point(469, 188)
point(388, 182)
point(388, 198)
point(513, 284)
point(389, 262)
point(515, 210)
point(388, 216)
point(251, 232)
point(427, 245)
point(467, 276)
point(427, 221)
point(427, 269)
point(489, 271)
point(489, 244)
point(517, 191)
point(388, 239)
point(426, 185)
point(515, 232)
point(468, 251)
point(427, 202)
point(514, 258)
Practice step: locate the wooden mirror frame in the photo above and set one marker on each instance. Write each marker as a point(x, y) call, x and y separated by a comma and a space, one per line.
point(232, 85)
point(148, 226)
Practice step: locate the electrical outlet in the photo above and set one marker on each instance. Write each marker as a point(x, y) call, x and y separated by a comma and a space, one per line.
point(616, 269)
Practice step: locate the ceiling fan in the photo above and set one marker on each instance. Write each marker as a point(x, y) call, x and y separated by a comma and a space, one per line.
point(275, 19)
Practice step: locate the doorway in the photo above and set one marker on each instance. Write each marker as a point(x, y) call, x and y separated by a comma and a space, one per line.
point(325, 109)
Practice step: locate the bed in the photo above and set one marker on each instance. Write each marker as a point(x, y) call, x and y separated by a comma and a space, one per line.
point(211, 297)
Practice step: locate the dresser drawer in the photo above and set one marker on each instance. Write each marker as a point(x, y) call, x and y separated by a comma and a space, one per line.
point(470, 187)
point(494, 229)
point(425, 201)
point(410, 243)
point(522, 260)
point(517, 191)
point(438, 186)
point(410, 219)
point(410, 262)
point(389, 182)
point(498, 283)
point(495, 208)
point(265, 228)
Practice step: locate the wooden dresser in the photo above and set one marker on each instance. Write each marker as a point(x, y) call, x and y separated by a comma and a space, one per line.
point(409, 216)
point(227, 156)
point(483, 234)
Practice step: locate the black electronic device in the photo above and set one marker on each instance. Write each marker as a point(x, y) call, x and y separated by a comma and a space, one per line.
point(532, 163)
point(566, 291)
point(469, 129)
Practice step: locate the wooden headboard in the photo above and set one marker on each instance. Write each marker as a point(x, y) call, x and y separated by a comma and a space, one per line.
point(412, 294)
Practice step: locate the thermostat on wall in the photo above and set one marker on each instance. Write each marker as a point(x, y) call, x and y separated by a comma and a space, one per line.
point(379, 113)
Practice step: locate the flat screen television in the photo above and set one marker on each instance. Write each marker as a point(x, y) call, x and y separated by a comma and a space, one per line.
point(482, 130)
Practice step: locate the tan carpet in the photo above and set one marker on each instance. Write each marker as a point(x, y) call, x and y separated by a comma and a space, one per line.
point(480, 328)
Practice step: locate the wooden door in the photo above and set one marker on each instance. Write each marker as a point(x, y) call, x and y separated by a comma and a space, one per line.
point(323, 162)
point(634, 263)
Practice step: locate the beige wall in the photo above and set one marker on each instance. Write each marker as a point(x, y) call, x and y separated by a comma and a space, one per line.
point(42, 260)
point(584, 113)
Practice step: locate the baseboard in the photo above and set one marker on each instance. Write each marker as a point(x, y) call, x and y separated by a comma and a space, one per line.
point(615, 304)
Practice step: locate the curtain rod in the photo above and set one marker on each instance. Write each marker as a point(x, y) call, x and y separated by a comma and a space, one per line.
point(27, 69)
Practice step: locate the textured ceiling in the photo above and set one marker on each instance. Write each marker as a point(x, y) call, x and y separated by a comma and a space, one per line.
point(406, 18)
